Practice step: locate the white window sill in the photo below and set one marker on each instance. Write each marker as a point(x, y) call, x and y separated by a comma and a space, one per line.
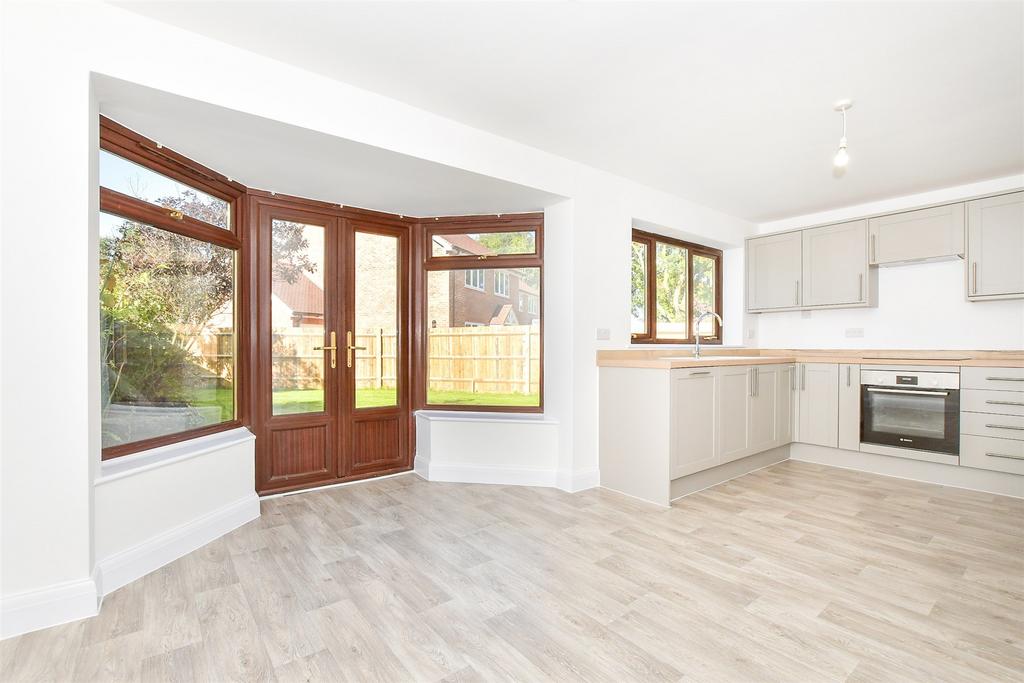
point(129, 465)
point(474, 416)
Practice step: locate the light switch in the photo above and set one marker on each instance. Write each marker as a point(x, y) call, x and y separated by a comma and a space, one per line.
point(603, 334)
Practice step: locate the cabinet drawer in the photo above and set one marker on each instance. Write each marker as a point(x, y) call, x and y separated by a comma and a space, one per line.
point(986, 453)
point(1000, 379)
point(994, 402)
point(998, 426)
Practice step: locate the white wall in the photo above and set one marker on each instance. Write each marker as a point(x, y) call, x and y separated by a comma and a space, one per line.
point(920, 306)
point(50, 410)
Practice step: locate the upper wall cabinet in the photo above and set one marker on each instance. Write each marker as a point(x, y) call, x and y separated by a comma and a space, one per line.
point(835, 265)
point(995, 247)
point(773, 272)
point(923, 235)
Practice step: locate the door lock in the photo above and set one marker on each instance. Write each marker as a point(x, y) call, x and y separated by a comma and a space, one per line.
point(333, 348)
point(350, 348)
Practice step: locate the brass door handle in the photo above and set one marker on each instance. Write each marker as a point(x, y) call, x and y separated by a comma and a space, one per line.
point(350, 347)
point(333, 348)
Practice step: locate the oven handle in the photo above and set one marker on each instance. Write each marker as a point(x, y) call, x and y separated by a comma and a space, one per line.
point(908, 391)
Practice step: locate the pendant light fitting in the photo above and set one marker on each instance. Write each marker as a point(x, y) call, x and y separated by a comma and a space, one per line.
point(842, 158)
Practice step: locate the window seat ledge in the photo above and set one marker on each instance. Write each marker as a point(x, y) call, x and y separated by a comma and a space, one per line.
point(474, 416)
point(129, 465)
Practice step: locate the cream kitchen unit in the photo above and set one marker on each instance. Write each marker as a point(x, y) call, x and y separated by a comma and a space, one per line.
point(668, 432)
point(670, 426)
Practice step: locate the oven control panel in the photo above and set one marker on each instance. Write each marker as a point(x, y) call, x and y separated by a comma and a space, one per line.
point(916, 380)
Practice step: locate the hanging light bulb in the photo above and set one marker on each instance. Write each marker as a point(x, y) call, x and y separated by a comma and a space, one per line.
point(842, 157)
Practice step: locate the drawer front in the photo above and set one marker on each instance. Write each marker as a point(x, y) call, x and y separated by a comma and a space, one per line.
point(994, 402)
point(998, 426)
point(999, 379)
point(986, 453)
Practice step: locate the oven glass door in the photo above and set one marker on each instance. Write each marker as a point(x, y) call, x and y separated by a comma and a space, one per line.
point(922, 419)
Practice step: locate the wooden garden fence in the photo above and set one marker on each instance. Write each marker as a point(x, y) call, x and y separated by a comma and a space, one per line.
point(475, 359)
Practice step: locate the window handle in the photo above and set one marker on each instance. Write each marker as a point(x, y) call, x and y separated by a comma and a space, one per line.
point(333, 348)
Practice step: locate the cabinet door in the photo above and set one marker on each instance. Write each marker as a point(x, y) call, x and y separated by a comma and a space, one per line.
point(773, 272)
point(694, 401)
point(734, 383)
point(849, 406)
point(835, 264)
point(819, 404)
point(916, 235)
point(995, 247)
point(763, 427)
point(785, 395)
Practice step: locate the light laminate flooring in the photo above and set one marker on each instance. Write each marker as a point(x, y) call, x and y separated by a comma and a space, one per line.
point(797, 572)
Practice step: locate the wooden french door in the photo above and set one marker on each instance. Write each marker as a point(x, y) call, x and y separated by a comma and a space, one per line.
point(331, 401)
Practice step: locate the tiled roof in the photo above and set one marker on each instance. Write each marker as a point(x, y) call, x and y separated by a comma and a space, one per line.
point(301, 296)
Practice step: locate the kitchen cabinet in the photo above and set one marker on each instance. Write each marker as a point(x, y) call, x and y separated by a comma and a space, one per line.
point(762, 429)
point(774, 271)
point(734, 401)
point(693, 441)
point(785, 401)
point(992, 419)
point(835, 265)
point(660, 425)
point(818, 401)
point(849, 406)
point(922, 235)
point(995, 247)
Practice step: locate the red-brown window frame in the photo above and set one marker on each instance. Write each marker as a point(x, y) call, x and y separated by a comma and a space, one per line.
point(651, 239)
point(128, 144)
point(428, 228)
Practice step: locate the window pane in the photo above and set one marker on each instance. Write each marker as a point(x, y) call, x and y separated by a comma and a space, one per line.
point(483, 349)
point(670, 266)
point(376, 320)
point(297, 317)
point(127, 177)
point(638, 305)
point(485, 243)
point(167, 332)
point(704, 292)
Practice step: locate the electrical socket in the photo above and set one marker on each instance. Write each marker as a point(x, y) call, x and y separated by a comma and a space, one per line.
point(853, 332)
point(603, 334)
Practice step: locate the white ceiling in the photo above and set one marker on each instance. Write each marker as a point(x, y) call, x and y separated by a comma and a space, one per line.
point(269, 155)
point(727, 104)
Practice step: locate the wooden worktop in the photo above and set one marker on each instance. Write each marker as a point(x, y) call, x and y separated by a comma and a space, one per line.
point(717, 356)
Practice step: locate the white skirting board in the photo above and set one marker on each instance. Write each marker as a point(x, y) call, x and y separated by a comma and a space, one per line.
point(50, 606)
point(467, 473)
point(955, 476)
point(135, 562)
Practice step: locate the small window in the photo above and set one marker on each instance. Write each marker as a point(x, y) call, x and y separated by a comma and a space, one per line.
point(501, 280)
point(672, 284)
point(139, 182)
point(475, 279)
point(483, 244)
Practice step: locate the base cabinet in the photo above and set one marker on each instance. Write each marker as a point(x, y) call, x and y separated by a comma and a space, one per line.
point(849, 406)
point(694, 430)
point(818, 400)
point(733, 411)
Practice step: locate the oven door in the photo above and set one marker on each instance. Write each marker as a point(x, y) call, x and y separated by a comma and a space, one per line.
point(921, 419)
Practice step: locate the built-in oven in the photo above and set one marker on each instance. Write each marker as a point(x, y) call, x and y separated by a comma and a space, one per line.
point(909, 409)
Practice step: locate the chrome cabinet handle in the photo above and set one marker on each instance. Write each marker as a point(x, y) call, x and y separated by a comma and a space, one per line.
point(1018, 429)
point(974, 278)
point(873, 257)
point(860, 287)
point(700, 372)
point(757, 381)
point(1005, 455)
point(797, 292)
point(1005, 379)
point(1005, 403)
point(910, 391)
point(848, 371)
point(803, 377)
